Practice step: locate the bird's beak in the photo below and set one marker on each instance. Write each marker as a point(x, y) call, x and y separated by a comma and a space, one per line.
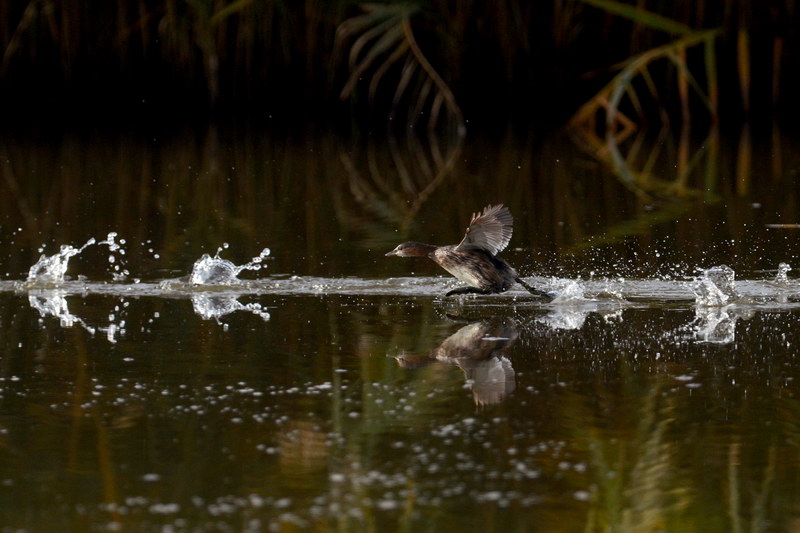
point(393, 252)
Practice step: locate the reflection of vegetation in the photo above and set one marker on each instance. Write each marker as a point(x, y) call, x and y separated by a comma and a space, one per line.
point(634, 73)
point(633, 485)
point(393, 192)
point(759, 511)
point(654, 466)
point(383, 35)
point(307, 424)
point(185, 195)
point(638, 226)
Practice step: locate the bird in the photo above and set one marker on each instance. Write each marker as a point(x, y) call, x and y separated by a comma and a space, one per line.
point(474, 260)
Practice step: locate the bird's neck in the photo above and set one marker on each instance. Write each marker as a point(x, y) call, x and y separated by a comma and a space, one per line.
point(422, 250)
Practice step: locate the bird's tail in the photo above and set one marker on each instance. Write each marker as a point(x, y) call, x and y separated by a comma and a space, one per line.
point(531, 290)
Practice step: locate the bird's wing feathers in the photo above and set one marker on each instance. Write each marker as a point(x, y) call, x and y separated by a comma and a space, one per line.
point(489, 231)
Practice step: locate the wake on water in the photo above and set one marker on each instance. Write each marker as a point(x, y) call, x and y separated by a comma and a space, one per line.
point(214, 285)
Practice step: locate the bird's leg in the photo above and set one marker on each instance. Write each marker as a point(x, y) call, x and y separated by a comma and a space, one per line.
point(531, 290)
point(466, 290)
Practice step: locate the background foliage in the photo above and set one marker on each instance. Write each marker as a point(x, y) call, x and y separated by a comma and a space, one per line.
point(500, 59)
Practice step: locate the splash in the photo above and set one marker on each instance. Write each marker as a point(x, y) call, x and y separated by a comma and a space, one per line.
point(565, 319)
point(567, 291)
point(217, 271)
point(54, 303)
point(782, 277)
point(715, 287)
point(215, 307)
point(714, 325)
point(53, 269)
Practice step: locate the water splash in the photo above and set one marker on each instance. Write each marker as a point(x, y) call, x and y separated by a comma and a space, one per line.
point(567, 291)
point(782, 277)
point(565, 319)
point(215, 307)
point(53, 269)
point(714, 325)
point(715, 287)
point(54, 303)
point(217, 271)
point(116, 264)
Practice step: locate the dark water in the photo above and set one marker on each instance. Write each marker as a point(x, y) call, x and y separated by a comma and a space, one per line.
point(341, 392)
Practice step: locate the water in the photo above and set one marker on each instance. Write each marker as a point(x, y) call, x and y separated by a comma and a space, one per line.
point(217, 271)
point(323, 387)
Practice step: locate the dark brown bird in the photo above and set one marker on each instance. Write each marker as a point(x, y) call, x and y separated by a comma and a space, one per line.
point(474, 260)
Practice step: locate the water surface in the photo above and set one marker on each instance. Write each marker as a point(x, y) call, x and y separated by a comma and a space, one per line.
point(330, 388)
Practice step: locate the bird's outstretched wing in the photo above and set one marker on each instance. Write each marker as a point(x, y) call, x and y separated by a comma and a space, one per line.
point(489, 231)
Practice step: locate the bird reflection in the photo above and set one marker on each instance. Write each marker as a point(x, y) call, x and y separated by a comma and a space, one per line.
point(476, 349)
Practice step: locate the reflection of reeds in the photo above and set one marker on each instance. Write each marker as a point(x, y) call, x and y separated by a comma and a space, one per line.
point(187, 194)
point(638, 168)
point(633, 485)
point(631, 84)
point(394, 193)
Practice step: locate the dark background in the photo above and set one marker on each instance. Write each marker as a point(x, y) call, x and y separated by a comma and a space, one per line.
point(128, 62)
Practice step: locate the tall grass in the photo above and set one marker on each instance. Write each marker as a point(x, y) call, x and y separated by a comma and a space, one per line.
point(489, 59)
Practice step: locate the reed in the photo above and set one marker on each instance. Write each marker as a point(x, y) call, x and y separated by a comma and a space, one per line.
point(489, 59)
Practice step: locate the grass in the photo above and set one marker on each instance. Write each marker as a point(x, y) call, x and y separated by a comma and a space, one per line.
point(433, 57)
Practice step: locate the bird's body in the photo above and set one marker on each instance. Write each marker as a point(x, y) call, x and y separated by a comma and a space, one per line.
point(476, 268)
point(474, 261)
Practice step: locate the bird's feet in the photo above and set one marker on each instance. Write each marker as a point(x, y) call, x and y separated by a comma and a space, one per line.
point(466, 290)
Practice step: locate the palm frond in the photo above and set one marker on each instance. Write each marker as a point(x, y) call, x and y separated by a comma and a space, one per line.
point(382, 36)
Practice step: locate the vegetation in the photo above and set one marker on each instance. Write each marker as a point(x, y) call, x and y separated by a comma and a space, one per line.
point(492, 60)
